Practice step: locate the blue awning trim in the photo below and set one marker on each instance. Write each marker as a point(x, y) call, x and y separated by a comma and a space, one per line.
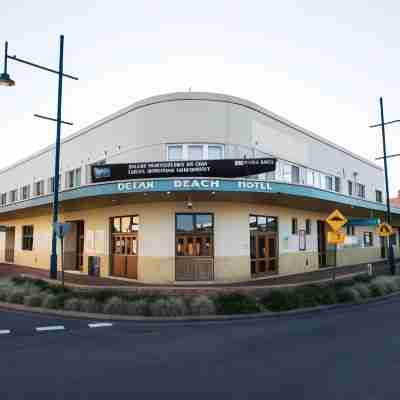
point(363, 221)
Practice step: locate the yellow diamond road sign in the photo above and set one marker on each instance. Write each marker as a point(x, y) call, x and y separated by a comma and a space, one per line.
point(336, 220)
point(336, 237)
point(384, 229)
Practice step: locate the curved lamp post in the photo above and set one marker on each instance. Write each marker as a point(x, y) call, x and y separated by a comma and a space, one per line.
point(5, 80)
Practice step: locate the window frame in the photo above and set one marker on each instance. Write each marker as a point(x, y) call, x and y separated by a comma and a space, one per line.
point(350, 188)
point(185, 150)
point(295, 226)
point(378, 196)
point(308, 226)
point(25, 192)
point(3, 198)
point(371, 239)
point(27, 238)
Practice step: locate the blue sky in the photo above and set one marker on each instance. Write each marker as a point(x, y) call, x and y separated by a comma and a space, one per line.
point(323, 65)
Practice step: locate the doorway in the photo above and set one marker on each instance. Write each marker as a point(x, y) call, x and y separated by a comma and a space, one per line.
point(124, 246)
point(263, 245)
point(321, 244)
point(10, 245)
point(74, 243)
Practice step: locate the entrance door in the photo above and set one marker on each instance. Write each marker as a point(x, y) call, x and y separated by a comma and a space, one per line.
point(124, 253)
point(321, 244)
point(263, 253)
point(80, 243)
point(10, 245)
point(194, 247)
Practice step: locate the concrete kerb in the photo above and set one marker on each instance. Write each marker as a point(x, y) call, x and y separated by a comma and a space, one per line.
point(193, 318)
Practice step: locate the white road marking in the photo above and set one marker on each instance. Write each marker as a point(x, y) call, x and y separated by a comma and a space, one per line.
point(50, 328)
point(4, 331)
point(100, 324)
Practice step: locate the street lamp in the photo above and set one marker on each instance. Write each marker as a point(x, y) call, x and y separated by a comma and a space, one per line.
point(5, 80)
point(382, 124)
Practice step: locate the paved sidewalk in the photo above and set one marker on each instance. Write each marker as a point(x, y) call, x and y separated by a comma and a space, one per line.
point(10, 270)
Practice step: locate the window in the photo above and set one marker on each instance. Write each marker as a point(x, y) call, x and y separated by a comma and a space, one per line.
point(291, 173)
point(328, 182)
point(295, 174)
point(126, 224)
point(350, 187)
point(194, 235)
point(3, 199)
point(13, 196)
point(294, 226)
point(27, 237)
point(378, 195)
point(350, 230)
point(337, 184)
point(39, 188)
point(89, 169)
point(73, 178)
point(176, 152)
point(311, 178)
point(25, 192)
point(368, 239)
point(308, 226)
point(261, 223)
point(360, 190)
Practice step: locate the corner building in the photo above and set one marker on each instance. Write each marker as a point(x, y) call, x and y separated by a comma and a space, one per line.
point(194, 229)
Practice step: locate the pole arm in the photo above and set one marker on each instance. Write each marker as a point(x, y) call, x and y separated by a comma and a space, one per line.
point(15, 58)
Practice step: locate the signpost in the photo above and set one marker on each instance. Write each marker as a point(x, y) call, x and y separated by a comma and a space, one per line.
point(226, 168)
point(61, 230)
point(385, 230)
point(336, 220)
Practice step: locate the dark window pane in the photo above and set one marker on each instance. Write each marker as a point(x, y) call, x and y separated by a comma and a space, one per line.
point(271, 247)
point(252, 246)
point(262, 266)
point(272, 265)
point(261, 247)
point(253, 267)
point(272, 224)
point(184, 223)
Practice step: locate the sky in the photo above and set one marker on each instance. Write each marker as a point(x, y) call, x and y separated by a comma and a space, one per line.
point(322, 65)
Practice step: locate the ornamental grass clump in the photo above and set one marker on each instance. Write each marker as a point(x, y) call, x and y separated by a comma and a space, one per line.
point(168, 307)
point(115, 305)
point(237, 303)
point(16, 295)
point(90, 306)
point(33, 300)
point(348, 295)
point(202, 305)
point(51, 301)
point(387, 282)
point(137, 307)
point(280, 300)
point(363, 290)
point(72, 304)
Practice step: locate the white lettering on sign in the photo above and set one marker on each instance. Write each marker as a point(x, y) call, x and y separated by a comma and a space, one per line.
point(249, 185)
point(196, 183)
point(132, 186)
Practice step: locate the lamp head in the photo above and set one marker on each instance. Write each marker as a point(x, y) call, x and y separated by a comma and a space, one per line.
point(5, 80)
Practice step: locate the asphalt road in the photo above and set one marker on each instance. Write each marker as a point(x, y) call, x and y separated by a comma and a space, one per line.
point(351, 353)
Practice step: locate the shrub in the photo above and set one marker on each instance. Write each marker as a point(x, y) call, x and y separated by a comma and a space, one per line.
point(202, 305)
point(6, 287)
point(307, 296)
point(387, 282)
point(90, 306)
point(280, 300)
point(377, 289)
point(363, 290)
point(72, 304)
point(16, 295)
point(348, 294)
point(236, 303)
point(169, 307)
point(328, 296)
point(362, 278)
point(396, 280)
point(137, 307)
point(33, 300)
point(115, 305)
point(51, 301)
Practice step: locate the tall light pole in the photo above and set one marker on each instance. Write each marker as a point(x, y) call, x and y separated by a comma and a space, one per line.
point(385, 157)
point(5, 80)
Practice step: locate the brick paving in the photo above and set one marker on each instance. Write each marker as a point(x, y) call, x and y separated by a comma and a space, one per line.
point(11, 270)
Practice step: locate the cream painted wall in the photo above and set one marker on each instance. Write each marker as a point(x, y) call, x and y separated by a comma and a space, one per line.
point(157, 239)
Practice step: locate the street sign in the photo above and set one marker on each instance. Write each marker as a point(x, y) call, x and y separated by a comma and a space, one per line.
point(385, 229)
point(336, 220)
point(62, 229)
point(336, 237)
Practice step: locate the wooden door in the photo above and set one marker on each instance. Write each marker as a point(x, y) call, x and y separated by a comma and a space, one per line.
point(124, 255)
point(263, 253)
point(10, 244)
point(80, 243)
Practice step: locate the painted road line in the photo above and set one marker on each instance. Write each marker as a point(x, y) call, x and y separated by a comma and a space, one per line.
point(50, 328)
point(4, 331)
point(100, 324)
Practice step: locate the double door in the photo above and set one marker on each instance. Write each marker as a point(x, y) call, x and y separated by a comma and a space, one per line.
point(124, 254)
point(263, 253)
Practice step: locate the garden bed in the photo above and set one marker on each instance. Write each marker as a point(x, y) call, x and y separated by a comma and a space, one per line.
point(39, 293)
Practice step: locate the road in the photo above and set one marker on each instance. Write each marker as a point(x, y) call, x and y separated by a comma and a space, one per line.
point(351, 353)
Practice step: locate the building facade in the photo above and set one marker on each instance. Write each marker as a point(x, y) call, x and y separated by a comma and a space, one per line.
point(201, 229)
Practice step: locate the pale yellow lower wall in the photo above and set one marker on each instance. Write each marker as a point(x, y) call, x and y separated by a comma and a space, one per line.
point(156, 261)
